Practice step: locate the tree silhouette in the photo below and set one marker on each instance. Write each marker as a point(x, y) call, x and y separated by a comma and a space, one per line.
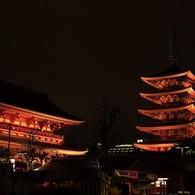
point(102, 126)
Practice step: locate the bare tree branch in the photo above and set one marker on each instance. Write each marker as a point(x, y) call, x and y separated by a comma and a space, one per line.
point(103, 123)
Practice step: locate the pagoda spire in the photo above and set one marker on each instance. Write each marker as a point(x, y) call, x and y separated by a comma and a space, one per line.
point(172, 49)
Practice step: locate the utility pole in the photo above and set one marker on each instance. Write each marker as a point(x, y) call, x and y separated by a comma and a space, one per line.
point(9, 137)
point(183, 167)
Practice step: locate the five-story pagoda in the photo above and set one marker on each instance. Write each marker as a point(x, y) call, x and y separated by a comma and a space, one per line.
point(175, 110)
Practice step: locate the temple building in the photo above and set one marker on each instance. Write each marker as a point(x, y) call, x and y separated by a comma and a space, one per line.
point(28, 122)
point(174, 98)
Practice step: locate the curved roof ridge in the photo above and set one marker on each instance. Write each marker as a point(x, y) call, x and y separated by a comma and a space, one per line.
point(163, 76)
point(30, 99)
point(166, 126)
point(189, 89)
point(167, 108)
point(19, 87)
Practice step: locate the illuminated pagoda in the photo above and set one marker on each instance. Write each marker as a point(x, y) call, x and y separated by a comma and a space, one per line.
point(28, 122)
point(175, 110)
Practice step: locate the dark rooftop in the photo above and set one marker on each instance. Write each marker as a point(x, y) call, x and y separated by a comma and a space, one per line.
point(74, 164)
point(174, 69)
point(26, 98)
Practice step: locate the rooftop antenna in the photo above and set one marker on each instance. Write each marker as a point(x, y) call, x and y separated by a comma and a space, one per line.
point(172, 49)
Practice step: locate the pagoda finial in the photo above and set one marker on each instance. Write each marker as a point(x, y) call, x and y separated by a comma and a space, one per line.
point(173, 47)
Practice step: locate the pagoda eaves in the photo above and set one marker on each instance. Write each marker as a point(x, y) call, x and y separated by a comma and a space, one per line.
point(180, 80)
point(176, 130)
point(179, 113)
point(182, 96)
point(160, 147)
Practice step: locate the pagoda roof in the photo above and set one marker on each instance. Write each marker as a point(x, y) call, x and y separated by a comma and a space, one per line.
point(169, 75)
point(156, 146)
point(26, 98)
point(164, 126)
point(172, 73)
point(188, 90)
point(174, 97)
point(177, 129)
point(172, 70)
point(189, 107)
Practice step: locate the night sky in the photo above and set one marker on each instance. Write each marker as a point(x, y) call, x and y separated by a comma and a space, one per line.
point(81, 52)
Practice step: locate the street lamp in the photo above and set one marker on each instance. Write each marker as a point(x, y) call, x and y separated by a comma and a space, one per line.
point(183, 166)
